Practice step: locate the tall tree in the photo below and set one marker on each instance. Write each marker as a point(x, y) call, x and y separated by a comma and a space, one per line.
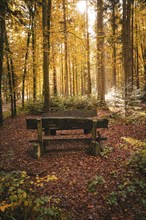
point(26, 59)
point(46, 15)
point(65, 47)
point(2, 21)
point(113, 6)
point(127, 46)
point(34, 49)
point(12, 76)
point(88, 53)
point(54, 71)
point(100, 53)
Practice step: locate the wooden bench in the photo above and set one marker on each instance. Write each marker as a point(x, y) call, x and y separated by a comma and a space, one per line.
point(65, 123)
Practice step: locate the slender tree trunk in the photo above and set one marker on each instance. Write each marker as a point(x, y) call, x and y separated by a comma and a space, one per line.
point(61, 71)
point(144, 58)
point(124, 44)
point(2, 24)
point(132, 43)
point(82, 79)
point(70, 78)
point(127, 49)
point(34, 53)
point(54, 71)
point(10, 85)
point(66, 48)
point(25, 62)
point(73, 73)
point(136, 54)
point(88, 53)
point(12, 77)
point(100, 53)
point(14, 87)
point(114, 44)
point(46, 92)
point(76, 76)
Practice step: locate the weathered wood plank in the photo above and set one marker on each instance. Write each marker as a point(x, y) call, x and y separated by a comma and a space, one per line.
point(59, 138)
point(66, 123)
point(74, 113)
point(31, 123)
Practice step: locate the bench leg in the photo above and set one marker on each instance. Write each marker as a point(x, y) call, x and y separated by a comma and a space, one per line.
point(96, 148)
point(99, 141)
point(36, 151)
point(40, 136)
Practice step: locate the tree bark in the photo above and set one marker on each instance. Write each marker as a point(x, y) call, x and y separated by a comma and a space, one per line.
point(26, 61)
point(54, 71)
point(114, 44)
point(34, 52)
point(127, 50)
point(100, 53)
point(88, 54)
point(65, 48)
point(46, 92)
point(2, 23)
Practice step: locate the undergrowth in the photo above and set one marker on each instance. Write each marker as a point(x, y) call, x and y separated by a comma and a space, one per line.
point(62, 103)
point(19, 199)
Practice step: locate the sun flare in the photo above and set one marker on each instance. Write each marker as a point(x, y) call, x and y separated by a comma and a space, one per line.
point(81, 6)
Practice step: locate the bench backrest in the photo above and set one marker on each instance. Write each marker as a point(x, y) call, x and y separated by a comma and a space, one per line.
point(66, 123)
point(73, 113)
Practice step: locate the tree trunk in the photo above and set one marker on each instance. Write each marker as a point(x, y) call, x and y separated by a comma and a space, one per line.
point(100, 53)
point(88, 54)
point(34, 53)
point(25, 62)
point(2, 23)
point(65, 48)
point(61, 71)
point(136, 54)
point(127, 49)
point(54, 71)
point(10, 85)
point(46, 92)
point(12, 77)
point(114, 44)
point(70, 77)
point(144, 58)
point(73, 73)
point(14, 88)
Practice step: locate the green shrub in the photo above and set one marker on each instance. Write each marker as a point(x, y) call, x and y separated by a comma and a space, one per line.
point(126, 190)
point(106, 151)
point(138, 160)
point(20, 200)
point(95, 182)
point(61, 103)
point(34, 107)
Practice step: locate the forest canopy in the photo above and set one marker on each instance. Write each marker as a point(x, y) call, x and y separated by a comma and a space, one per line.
point(71, 48)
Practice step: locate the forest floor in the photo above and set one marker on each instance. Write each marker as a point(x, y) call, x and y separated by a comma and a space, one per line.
point(89, 188)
